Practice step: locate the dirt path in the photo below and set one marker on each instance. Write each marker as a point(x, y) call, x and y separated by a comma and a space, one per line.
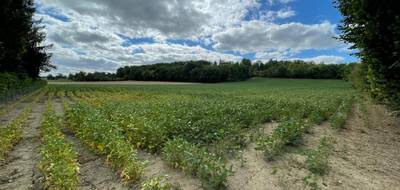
point(19, 171)
point(367, 157)
point(93, 172)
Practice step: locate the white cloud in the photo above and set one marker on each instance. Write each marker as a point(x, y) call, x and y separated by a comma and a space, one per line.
point(88, 41)
point(328, 59)
point(260, 36)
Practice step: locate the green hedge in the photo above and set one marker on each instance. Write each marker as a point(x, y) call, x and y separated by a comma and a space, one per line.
point(12, 86)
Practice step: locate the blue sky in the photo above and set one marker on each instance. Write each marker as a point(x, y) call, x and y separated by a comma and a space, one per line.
point(103, 35)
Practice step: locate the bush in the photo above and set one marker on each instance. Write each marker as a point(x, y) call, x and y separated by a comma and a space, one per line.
point(13, 86)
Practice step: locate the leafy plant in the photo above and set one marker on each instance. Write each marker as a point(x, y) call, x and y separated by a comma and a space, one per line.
point(157, 183)
point(58, 161)
point(288, 132)
point(11, 134)
point(190, 158)
point(105, 137)
point(317, 160)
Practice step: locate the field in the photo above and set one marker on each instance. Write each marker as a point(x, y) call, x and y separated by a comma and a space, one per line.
point(257, 134)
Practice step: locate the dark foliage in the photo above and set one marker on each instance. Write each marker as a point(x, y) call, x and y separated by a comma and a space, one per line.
point(373, 28)
point(12, 86)
point(298, 69)
point(82, 76)
point(191, 71)
point(21, 49)
point(209, 72)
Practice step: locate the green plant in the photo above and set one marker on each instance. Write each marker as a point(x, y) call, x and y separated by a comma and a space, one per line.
point(11, 134)
point(104, 137)
point(288, 132)
point(317, 160)
point(210, 168)
point(58, 161)
point(339, 118)
point(157, 183)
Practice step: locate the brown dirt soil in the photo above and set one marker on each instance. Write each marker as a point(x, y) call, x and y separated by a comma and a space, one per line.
point(157, 167)
point(124, 82)
point(19, 170)
point(367, 157)
point(93, 171)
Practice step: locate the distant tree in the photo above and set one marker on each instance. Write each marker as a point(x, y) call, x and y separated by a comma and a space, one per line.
point(373, 28)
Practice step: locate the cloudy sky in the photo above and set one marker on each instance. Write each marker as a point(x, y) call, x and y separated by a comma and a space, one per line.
point(103, 35)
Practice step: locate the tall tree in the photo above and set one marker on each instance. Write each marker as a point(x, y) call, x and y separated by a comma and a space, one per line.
point(373, 28)
point(21, 49)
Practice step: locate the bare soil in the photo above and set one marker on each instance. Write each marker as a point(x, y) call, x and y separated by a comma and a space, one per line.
point(19, 171)
point(367, 157)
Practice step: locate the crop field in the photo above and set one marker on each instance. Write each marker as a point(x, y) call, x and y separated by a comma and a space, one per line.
point(239, 135)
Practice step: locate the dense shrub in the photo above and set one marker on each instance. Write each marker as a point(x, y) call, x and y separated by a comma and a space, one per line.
point(372, 28)
point(12, 86)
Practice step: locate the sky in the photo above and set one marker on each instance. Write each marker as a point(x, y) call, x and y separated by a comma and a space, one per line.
point(103, 35)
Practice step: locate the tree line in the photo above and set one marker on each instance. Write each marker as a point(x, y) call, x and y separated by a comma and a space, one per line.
point(212, 72)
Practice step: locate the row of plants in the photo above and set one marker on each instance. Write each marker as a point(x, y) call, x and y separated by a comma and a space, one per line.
point(58, 161)
point(340, 117)
point(105, 138)
point(209, 167)
point(317, 159)
point(286, 133)
point(152, 183)
point(11, 133)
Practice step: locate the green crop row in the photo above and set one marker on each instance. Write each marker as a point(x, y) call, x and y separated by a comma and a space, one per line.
point(106, 138)
point(339, 118)
point(58, 161)
point(287, 132)
point(317, 160)
point(210, 168)
point(11, 134)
